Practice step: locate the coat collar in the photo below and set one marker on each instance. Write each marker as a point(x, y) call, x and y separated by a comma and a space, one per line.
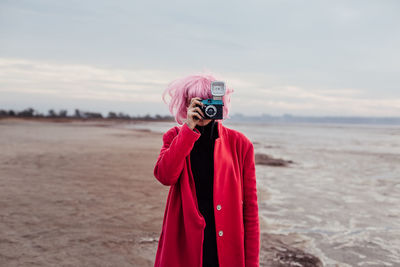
point(221, 131)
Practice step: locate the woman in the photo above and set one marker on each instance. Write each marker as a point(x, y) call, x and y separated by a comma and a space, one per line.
point(211, 214)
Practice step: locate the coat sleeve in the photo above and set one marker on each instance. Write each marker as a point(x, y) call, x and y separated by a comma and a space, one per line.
point(172, 156)
point(250, 210)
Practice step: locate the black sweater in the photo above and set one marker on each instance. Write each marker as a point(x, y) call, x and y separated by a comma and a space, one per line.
point(202, 165)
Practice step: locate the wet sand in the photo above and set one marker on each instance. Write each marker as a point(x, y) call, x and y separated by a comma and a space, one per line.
point(83, 194)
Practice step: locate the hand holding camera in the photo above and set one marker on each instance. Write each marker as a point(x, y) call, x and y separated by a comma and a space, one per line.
point(194, 113)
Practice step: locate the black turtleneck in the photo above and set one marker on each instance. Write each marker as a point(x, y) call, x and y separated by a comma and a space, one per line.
point(202, 165)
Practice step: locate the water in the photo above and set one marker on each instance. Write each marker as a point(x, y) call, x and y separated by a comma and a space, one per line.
point(342, 193)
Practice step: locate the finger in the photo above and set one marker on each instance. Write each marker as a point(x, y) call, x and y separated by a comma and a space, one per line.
point(199, 111)
point(195, 116)
point(196, 109)
point(196, 102)
point(196, 98)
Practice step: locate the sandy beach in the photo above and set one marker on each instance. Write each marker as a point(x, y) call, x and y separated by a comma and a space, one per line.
point(81, 193)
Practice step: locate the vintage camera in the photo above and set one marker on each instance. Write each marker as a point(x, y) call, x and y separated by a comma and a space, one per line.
point(212, 108)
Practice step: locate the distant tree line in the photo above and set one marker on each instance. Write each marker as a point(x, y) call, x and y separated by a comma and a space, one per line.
point(78, 114)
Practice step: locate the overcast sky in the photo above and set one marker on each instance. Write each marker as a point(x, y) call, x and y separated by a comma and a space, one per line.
point(298, 57)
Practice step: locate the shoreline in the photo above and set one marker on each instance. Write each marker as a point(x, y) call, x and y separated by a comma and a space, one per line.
point(83, 192)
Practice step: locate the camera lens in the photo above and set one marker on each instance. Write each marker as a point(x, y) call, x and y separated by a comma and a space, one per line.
point(211, 111)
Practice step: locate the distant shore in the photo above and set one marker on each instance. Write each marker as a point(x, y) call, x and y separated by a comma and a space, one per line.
point(82, 192)
point(106, 121)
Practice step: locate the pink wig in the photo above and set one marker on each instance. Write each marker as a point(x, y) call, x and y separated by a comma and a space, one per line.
point(186, 88)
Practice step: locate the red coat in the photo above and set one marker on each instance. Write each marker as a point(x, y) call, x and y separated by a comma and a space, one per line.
point(235, 201)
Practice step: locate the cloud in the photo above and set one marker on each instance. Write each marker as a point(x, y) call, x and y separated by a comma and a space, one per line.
point(254, 94)
point(259, 94)
point(81, 81)
point(297, 100)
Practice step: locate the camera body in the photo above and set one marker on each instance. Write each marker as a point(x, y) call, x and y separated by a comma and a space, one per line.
point(213, 107)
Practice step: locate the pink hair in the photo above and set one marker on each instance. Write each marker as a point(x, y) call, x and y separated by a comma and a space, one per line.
point(186, 88)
